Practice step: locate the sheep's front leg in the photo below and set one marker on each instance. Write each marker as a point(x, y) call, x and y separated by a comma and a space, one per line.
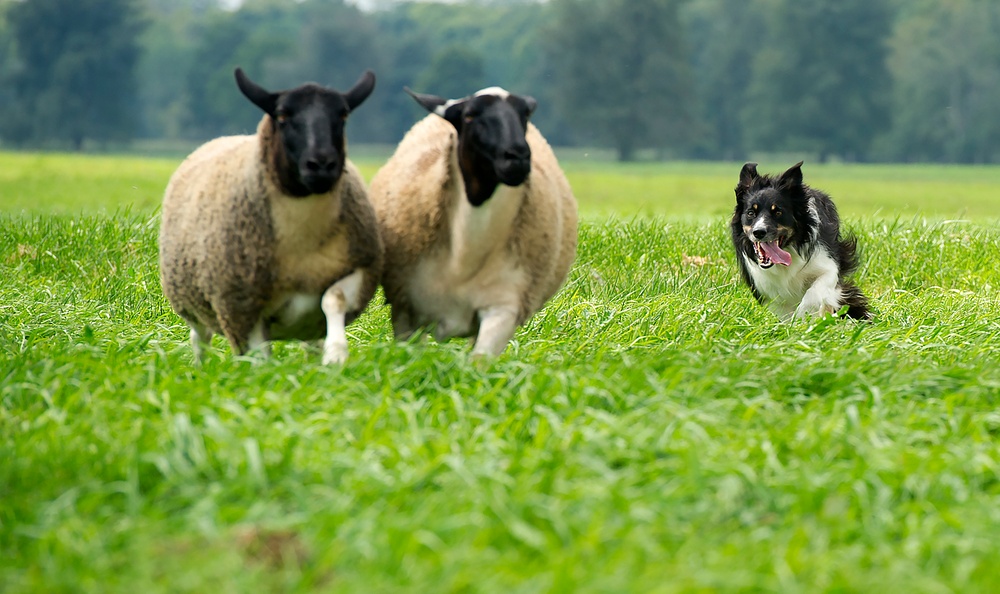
point(257, 342)
point(245, 330)
point(496, 328)
point(402, 324)
point(338, 299)
point(201, 338)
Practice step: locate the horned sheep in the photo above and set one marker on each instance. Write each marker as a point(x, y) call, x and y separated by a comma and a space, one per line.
point(271, 235)
point(478, 220)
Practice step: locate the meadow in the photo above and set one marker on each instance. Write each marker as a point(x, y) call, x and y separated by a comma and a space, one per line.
point(653, 429)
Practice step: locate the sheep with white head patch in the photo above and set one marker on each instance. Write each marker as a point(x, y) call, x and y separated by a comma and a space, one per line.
point(478, 220)
point(271, 235)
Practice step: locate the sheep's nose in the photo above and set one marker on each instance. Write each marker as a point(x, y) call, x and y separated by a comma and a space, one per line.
point(320, 164)
point(518, 153)
point(759, 233)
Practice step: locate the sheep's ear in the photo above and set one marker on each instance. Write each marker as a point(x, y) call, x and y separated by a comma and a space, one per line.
point(360, 91)
point(257, 94)
point(530, 102)
point(793, 177)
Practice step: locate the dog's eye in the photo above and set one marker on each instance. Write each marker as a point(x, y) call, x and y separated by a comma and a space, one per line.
point(777, 213)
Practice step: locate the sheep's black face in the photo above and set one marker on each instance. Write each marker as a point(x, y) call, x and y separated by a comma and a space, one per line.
point(492, 148)
point(492, 133)
point(309, 123)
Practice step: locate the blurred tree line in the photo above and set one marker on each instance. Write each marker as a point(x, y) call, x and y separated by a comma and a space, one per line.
point(859, 80)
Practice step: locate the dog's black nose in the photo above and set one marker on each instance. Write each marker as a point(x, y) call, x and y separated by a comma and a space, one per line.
point(759, 233)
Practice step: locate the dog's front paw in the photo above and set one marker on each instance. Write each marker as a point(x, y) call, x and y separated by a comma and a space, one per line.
point(815, 307)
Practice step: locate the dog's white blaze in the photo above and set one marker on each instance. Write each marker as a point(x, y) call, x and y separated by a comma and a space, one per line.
point(805, 287)
point(760, 223)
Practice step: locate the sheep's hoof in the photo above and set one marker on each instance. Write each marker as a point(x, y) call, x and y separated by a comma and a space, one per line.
point(482, 360)
point(335, 354)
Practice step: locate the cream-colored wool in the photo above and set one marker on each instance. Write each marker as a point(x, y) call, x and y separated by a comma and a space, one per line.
point(450, 265)
point(240, 257)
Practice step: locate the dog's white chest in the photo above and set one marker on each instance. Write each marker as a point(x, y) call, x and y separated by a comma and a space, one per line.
point(783, 287)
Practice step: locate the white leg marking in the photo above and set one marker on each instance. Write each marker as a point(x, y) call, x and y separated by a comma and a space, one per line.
point(337, 300)
point(257, 341)
point(784, 310)
point(496, 328)
point(201, 338)
point(822, 298)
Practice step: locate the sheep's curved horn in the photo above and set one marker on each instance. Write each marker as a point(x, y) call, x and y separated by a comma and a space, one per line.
point(257, 94)
point(431, 103)
point(361, 89)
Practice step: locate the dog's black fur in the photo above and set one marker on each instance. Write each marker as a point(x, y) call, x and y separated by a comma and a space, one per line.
point(777, 209)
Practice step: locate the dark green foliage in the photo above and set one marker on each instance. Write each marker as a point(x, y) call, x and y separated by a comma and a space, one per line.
point(332, 43)
point(945, 58)
point(621, 72)
point(852, 80)
point(482, 45)
point(724, 34)
point(455, 72)
point(818, 77)
point(247, 38)
point(74, 75)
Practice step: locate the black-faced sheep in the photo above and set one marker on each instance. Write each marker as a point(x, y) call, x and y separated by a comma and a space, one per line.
point(478, 220)
point(271, 235)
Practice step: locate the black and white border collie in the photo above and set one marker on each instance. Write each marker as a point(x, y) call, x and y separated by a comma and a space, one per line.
point(789, 248)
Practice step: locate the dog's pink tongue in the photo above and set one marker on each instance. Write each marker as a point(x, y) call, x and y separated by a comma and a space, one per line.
point(775, 253)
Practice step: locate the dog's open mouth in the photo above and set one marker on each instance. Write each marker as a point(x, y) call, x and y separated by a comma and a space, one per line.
point(770, 253)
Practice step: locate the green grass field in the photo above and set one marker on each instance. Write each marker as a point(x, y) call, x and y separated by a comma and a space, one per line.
point(651, 430)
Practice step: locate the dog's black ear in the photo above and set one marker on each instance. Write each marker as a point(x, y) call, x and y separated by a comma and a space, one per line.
point(793, 177)
point(748, 174)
